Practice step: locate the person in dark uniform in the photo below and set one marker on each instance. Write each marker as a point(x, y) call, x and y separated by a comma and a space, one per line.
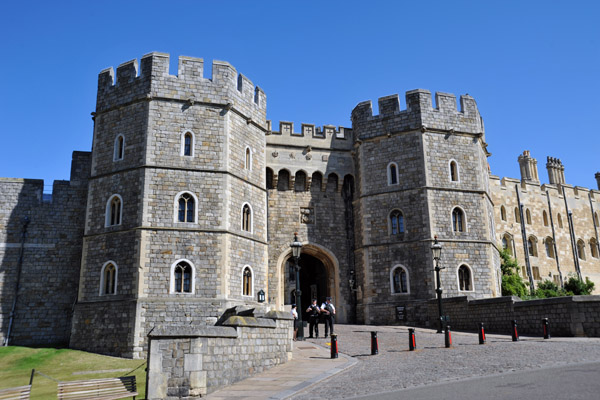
point(313, 312)
point(328, 311)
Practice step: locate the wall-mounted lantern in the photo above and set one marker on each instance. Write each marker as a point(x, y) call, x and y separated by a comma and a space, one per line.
point(261, 296)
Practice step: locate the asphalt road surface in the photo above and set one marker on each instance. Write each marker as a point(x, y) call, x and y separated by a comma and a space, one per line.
point(571, 382)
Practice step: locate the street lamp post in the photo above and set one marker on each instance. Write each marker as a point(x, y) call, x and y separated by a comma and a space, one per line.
point(436, 250)
point(296, 250)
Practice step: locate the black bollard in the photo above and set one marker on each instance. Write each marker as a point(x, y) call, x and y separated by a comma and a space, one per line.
point(546, 328)
point(334, 347)
point(447, 336)
point(412, 345)
point(374, 344)
point(481, 333)
point(515, 332)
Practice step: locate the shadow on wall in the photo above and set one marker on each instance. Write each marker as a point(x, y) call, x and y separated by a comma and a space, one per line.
point(48, 256)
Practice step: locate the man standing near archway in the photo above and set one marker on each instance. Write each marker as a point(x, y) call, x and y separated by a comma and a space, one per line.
point(328, 311)
point(313, 318)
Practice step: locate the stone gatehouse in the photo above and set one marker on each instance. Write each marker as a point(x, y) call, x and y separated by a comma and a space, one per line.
point(190, 197)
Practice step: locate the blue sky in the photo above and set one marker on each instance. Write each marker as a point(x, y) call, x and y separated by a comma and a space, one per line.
point(532, 67)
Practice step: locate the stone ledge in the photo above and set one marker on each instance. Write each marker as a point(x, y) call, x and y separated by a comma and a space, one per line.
point(250, 322)
point(203, 331)
point(273, 314)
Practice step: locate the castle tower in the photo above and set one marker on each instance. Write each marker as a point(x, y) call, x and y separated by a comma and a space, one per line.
point(556, 171)
point(529, 171)
point(176, 215)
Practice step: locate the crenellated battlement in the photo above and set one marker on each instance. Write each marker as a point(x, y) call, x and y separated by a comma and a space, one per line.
point(327, 136)
point(419, 113)
point(151, 79)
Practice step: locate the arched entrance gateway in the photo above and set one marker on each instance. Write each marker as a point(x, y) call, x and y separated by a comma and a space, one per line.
point(319, 278)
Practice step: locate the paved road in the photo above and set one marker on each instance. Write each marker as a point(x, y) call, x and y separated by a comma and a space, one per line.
point(578, 382)
point(396, 368)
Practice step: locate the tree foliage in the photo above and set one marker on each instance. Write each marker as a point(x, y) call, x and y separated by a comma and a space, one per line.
point(577, 287)
point(512, 283)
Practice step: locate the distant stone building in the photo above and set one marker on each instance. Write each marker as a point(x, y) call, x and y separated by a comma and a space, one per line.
point(188, 202)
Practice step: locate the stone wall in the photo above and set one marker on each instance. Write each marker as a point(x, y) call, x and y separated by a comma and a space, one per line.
point(568, 316)
point(191, 362)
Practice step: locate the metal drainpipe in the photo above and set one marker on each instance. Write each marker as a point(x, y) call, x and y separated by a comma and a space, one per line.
point(17, 284)
point(571, 233)
point(554, 241)
point(594, 221)
point(525, 244)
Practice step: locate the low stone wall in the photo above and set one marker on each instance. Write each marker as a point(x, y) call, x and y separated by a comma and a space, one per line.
point(189, 362)
point(568, 316)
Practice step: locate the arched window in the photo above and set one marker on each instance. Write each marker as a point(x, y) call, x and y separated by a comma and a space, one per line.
point(545, 218)
point(283, 180)
point(594, 247)
point(246, 218)
point(108, 278)
point(332, 182)
point(186, 207)
point(528, 216)
point(503, 213)
point(396, 222)
point(316, 181)
point(596, 221)
point(119, 150)
point(581, 249)
point(458, 220)
point(114, 209)
point(532, 246)
point(549, 247)
point(392, 173)
point(269, 177)
point(399, 280)
point(247, 282)
point(464, 278)
point(559, 219)
point(248, 159)
point(187, 144)
point(300, 181)
point(453, 171)
point(507, 242)
point(182, 277)
point(517, 215)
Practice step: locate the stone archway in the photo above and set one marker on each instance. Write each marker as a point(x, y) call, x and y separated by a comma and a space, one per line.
point(323, 265)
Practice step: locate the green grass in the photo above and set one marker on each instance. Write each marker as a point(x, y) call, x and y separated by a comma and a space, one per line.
point(17, 362)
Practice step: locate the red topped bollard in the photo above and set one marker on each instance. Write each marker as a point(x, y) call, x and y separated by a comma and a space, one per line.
point(334, 346)
point(481, 333)
point(515, 332)
point(546, 327)
point(447, 336)
point(374, 344)
point(412, 344)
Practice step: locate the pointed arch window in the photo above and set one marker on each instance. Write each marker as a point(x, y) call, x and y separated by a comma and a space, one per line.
point(114, 209)
point(182, 277)
point(594, 247)
point(392, 173)
point(517, 216)
point(453, 171)
point(248, 159)
point(119, 150)
point(269, 176)
point(507, 243)
point(186, 208)
point(316, 181)
point(532, 247)
point(503, 213)
point(464, 278)
point(108, 279)
point(545, 218)
point(458, 220)
point(300, 181)
point(596, 220)
point(283, 180)
point(399, 280)
point(549, 247)
point(528, 216)
point(187, 144)
point(581, 249)
point(559, 219)
point(396, 222)
point(247, 282)
point(247, 218)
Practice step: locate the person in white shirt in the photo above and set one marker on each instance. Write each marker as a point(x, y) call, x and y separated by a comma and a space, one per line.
point(295, 315)
point(328, 311)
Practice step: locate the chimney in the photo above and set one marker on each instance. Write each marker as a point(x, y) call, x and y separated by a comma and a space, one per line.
point(556, 171)
point(529, 172)
point(598, 179)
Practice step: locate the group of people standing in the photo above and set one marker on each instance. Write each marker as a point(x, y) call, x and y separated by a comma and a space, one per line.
point(326, 312)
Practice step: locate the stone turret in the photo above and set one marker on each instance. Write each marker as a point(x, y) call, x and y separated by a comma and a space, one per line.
point(529, 171)
point(556, 171)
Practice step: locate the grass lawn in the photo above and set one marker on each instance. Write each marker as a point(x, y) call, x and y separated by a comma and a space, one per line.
point(17, 362)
